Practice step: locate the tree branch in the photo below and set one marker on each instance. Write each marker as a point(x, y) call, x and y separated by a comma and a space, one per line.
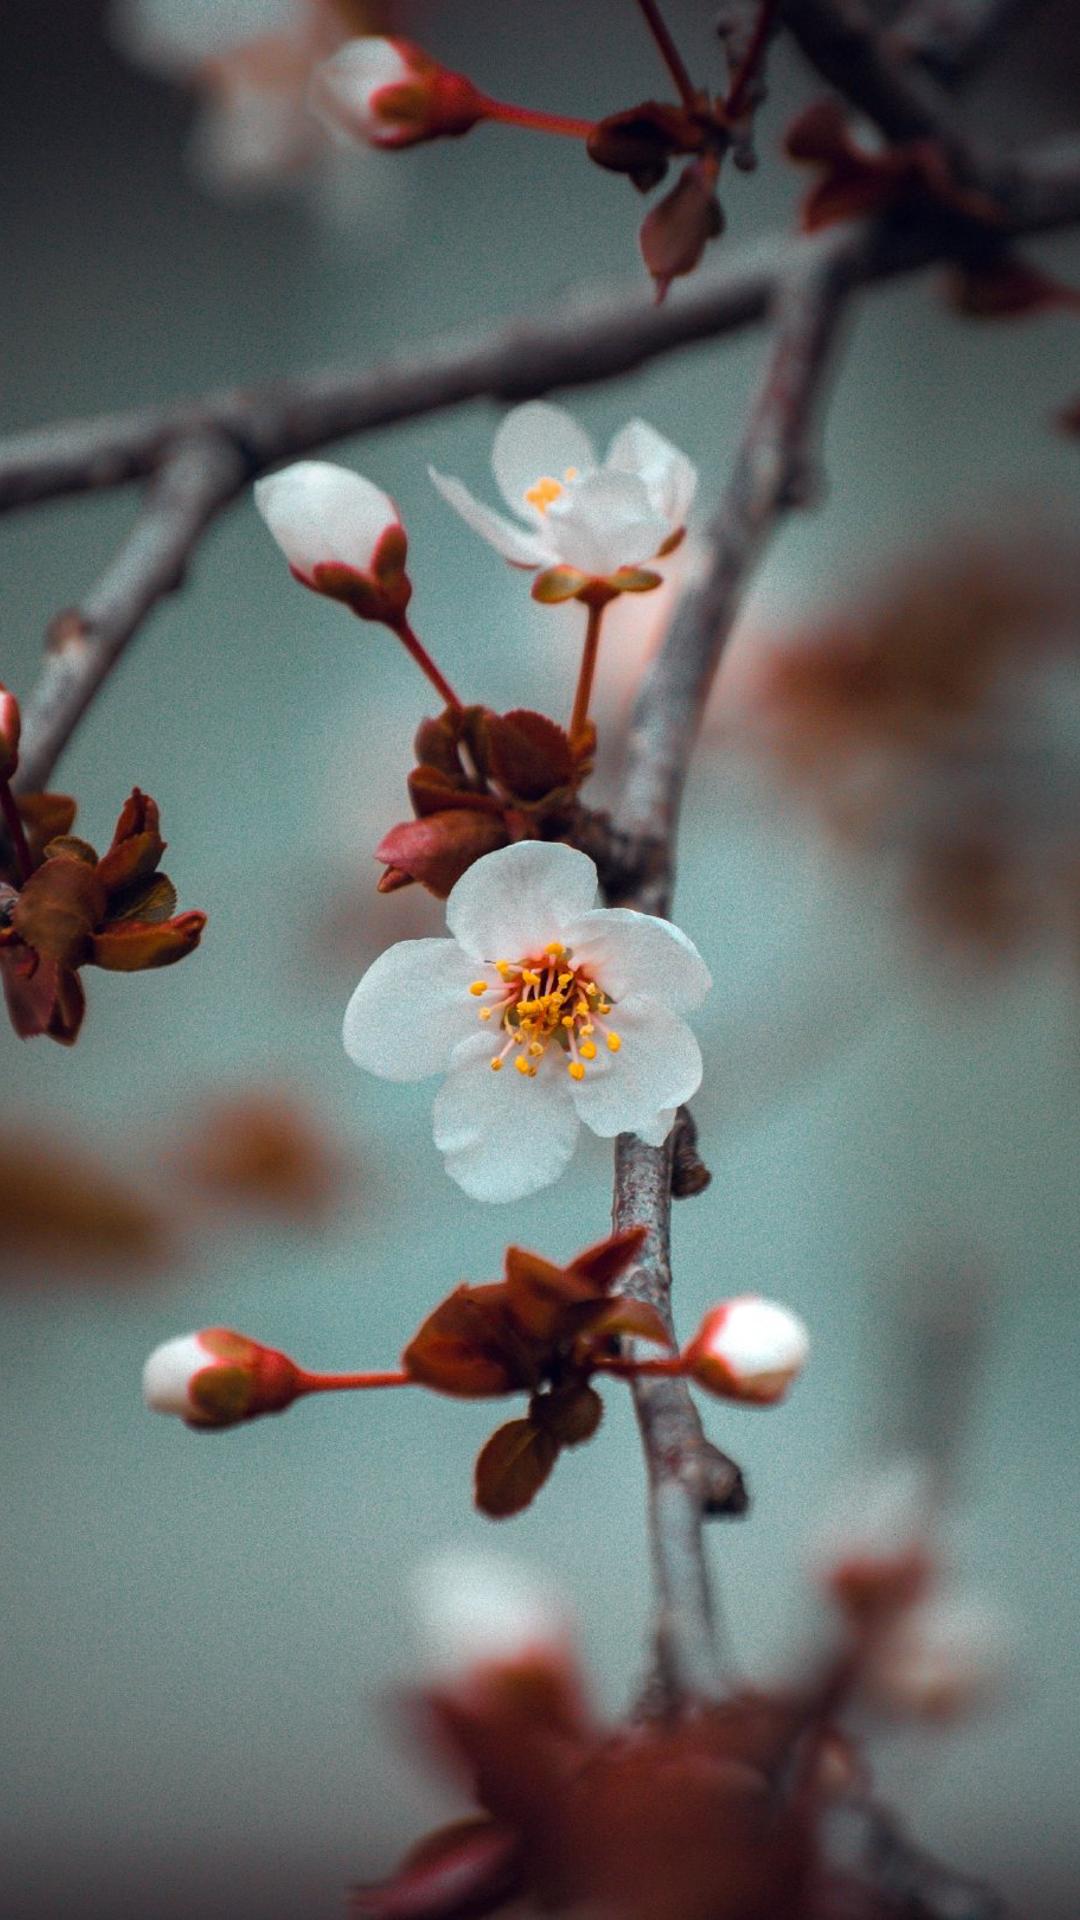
point(769, 476)
point(204, 453)
point(196, 478)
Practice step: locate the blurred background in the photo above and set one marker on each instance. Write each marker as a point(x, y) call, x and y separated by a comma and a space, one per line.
point(205, 1638)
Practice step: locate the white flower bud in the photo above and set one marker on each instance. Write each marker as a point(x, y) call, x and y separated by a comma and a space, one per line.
point(326, 517)
point(169, 1371)
point(749, 1349)
point(390, 93)
point(217, 1378)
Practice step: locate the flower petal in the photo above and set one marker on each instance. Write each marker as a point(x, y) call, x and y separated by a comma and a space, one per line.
point(605, 521)
point(520, 548)
point(503, 1135)
point(411, 1008)
point(321, 515)
point(670, 477)
point(508, 905)
point(628, 952)
point(536, 442)
point(657, 1067)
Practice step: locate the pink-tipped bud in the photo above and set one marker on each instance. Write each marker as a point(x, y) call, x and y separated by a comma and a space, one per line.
point(10, 728)
point(341, 535)
point(218, 1378)
point(748, 1349)
point(390, 93)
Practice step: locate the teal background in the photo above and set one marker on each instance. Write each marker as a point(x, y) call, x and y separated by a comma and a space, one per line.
point(204, 1638)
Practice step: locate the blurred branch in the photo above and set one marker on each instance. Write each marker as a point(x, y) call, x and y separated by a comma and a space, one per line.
point(770, 475)
point(951, 38)
point(201, 455)
point(196, 478)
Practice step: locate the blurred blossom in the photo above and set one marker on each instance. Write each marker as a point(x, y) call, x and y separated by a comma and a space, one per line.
point(65, 1212)
point(943, 1658)
point(262, 1148)
point(475, 1610)
point(250, 65)
point(931, 725)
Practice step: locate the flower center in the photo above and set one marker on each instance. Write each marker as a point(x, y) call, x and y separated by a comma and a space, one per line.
point(543, 491)
point(545, 1002)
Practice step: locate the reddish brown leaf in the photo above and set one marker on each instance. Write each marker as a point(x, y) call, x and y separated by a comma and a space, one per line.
point(261, 1148)
point(602, 1264)
point(137, 845)
point(462, 1872)
point(641, 141)
point(1007, 288)
point(634, 1318)
point(468, 1348)
point(64, 1211)
point(530, 755)
point(433, 792)
point(58, 909)
point(132, 945)
point(675, 233)
point(570, 1414)
point(440, 848)
point(42, 997)
point(512, 1468)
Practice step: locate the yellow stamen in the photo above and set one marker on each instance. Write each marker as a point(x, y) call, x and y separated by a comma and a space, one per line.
point(485, 1013)
point(478, 986)
point(555, 948)
point(496, 1065)
point(576, 1070)
point(503, 967)
point(614, 1042)
point(522, 1064)
point(531, 979)
point(543, 493)
point(588, 1051)
point(535, 1049)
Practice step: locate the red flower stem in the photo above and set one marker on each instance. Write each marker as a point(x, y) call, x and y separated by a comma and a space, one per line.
point(669, 52)
point(537, 121)
point(346, 1382)
point(735, 103)
point(16, 832)
point(424, 661)
point(637, 1369)
point(583, 694)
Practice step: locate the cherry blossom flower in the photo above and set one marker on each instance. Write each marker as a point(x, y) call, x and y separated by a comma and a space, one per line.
point(749, 1349)
point(578, 1011)
point(574, 513)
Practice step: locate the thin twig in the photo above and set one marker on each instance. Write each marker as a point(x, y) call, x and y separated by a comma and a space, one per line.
point(196, 479)
point(594, 336)
point(769, 476)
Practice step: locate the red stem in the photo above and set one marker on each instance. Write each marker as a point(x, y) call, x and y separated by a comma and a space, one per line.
point(583, 694)
point(669, 52)
point(425, 663)
point(537, 121)
point(672, 1368)
point(759, 40)
point(16, 832)
point(346, 1382)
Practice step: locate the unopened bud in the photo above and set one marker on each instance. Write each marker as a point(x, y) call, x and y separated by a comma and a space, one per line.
point(341, 535)
point(390, 93)
point(10, 728)
point(748, 1349)
point(218, 1378)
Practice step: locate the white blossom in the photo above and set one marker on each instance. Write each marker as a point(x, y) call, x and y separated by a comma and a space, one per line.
point(477, 1609)
point(750, 1349)
point(572, 511)
point(325, 515)
point(543, 1011)
point(169, 1372)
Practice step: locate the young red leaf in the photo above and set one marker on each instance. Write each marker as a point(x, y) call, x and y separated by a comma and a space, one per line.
point(512, 1468)
point(467, 1347)
point(438, 849)
point(529, 754)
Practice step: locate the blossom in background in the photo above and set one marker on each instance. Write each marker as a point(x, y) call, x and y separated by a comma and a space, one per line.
point(250, 63)
point(543, 1011)
point(590, 521)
